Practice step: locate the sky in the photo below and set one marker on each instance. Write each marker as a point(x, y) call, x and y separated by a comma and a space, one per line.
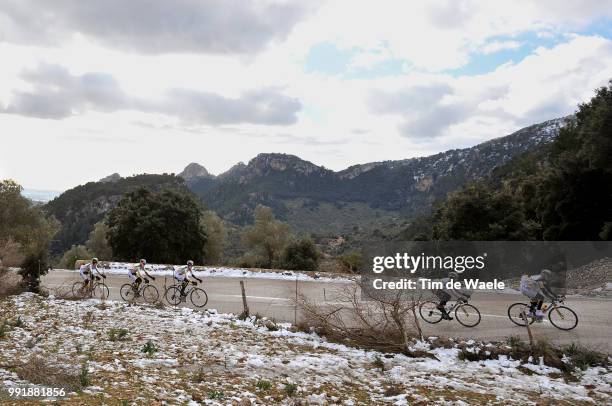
point(89, 88)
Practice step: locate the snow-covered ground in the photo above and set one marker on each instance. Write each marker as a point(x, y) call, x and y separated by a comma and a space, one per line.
point(122, 268)
point(210, 358)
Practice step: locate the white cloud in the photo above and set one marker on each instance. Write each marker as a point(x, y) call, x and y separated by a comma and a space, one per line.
point(57, 94)
point(226, 106)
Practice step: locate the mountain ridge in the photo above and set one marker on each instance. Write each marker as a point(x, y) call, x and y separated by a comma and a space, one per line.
point(310, 197)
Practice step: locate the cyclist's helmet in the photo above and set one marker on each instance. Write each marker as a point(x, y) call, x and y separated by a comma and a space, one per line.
point(143, 261)
point(453, 275)
point(546, 274)
point(190, 263)
point(94, 261)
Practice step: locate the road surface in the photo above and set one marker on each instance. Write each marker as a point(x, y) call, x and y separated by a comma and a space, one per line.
point(276, 299)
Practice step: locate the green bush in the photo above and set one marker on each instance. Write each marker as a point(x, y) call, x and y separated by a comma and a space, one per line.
point(300, 255)
point(263, 385)
point(149, 348)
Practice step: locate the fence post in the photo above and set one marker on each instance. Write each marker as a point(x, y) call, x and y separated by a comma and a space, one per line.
point(528, 329)
point(244, 301)
point(296, 301)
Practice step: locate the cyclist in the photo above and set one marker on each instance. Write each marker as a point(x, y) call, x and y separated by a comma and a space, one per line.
point(537, 288)
point(445, 294)
point(87, 272)
point(183, 274)
point(136, 275)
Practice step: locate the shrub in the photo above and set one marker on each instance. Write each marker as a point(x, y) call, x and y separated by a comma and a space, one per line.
point(4, 328)
point(352, 261)
point(290, 389)
point(379, 363)
point(583, 358)
point(215, 394)
point(263, 385)
point(300, 255)
point(117, 334)
point(84, 378)
point(149, 348)
point(199, 376)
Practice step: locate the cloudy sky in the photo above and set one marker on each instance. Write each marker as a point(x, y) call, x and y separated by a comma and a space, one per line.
point(88, 88)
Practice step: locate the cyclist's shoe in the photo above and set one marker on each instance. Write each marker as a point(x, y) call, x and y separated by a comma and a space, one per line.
point(539, 316)
point(446, 316)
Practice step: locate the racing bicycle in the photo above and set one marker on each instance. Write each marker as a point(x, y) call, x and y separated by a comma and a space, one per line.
point(465, 313)
point(197, 296)
point(559, 315)
point(96, 288)
point(148, 292)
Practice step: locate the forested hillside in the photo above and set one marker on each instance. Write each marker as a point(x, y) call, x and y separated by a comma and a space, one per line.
point(78, 209)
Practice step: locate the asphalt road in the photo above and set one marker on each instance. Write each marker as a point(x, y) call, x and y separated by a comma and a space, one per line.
point(276, 299)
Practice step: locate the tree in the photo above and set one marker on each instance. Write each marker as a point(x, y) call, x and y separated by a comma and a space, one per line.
point(352, 261)
point(576, 193)
point(267, 236)
point(217, 237)
point(71, 256)
point(479, 213)
point(162, 227)
point(98, 244)
point(300, 255)
point(24, 224)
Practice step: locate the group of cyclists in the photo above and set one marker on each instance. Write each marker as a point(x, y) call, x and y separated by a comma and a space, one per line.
point(139, 273)
point(536, 287)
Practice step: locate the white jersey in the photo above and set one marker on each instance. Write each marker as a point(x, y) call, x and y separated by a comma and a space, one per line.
point(86, 270)
point(181, 273)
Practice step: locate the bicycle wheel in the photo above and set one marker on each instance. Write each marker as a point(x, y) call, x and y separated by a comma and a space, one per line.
point(429, 312)
point(150, 294)
point(101, 291)
point(173, 295)
point(563, 317)
point(198, 297)
point(515, 313)
point(126, 292)
point(77, 288)
point(467, 315)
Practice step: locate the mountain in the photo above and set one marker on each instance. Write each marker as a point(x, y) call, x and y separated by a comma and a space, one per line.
point(194, 172)
point(111, 178)
point(311, 198)
point(80, 208)
point(315, 199)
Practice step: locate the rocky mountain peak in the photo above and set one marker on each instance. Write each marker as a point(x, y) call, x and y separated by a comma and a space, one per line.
point(263, 163)
point(111, 178)
point(194, 171)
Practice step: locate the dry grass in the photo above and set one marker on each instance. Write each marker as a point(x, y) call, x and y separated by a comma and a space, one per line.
point(388, 324)
point(40, 372)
